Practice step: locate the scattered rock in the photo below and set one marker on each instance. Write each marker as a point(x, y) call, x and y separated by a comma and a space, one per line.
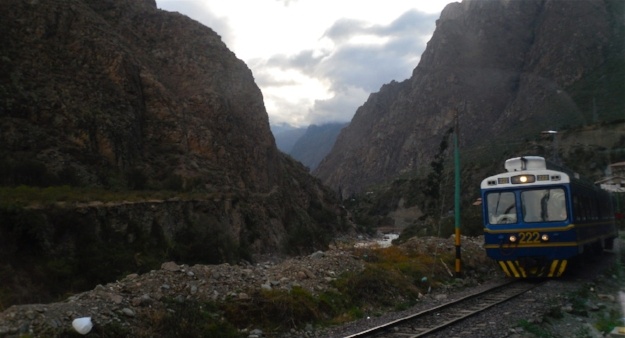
point(170, 266)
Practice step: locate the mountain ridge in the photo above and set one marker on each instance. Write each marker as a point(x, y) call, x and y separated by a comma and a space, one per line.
point(316, 143)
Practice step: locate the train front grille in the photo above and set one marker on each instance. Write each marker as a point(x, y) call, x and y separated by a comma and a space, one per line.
point(532, 267)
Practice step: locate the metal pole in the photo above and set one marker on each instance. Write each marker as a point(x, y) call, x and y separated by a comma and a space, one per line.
point(554, 144)
point(555, 148)
point(457, 198)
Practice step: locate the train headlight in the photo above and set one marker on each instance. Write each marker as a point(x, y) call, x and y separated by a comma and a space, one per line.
point(523, 179)
point(512, 238)
point(544, 237)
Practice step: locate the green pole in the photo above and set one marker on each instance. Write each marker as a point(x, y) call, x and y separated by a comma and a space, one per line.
point(457, 198)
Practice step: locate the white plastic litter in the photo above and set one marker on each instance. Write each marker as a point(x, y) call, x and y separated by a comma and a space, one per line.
point(82, 325)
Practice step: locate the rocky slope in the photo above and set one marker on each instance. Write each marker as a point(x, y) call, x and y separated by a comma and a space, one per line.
point(134, 300)
point(135, 306)
point(506, 69)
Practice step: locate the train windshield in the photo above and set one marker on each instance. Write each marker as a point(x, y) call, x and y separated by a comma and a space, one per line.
point(543, 205)
point(501, 207)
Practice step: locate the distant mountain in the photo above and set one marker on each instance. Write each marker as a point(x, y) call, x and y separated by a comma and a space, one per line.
point(316, 143)
point(286, 136)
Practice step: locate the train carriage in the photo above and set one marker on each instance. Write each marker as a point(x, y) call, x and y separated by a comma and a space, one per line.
point(537, 219)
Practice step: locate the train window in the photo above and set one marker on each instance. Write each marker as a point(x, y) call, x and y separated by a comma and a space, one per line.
point(578, 209)
point(543, 205)
point(501, 207)
point(591, 203)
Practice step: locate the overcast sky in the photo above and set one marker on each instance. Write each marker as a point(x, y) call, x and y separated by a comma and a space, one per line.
point(317, 61)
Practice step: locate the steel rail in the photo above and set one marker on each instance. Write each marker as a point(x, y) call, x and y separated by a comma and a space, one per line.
point(445, 315)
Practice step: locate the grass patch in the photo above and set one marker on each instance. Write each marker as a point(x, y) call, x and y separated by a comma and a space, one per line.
point(534, 329)
point(583, 332)
point(277, 310)
point(608, 321)
point(355, 295)
point(391, 280)
point(24, 196)
point(189, 319)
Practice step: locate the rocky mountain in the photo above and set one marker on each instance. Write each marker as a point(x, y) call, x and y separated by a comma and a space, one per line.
point(114, 96)
point(316, 143)
point(116, 85)
point(506, 70)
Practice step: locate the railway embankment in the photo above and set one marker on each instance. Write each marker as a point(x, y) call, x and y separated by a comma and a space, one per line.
point(209, 299)
point(302, 294)
point(586, 302)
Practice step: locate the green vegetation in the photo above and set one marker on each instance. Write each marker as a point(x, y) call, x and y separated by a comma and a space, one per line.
point(609, 321)
point(44, 263)
point(188, 319)
point(204, 239)
point(24, 196)
point(534, 329)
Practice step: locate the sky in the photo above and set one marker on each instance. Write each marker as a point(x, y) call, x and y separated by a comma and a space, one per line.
point(317, 61)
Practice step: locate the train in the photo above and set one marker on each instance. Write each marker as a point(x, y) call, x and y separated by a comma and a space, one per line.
point(539, 218)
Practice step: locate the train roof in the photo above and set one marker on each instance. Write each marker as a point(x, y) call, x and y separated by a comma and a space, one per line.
point(533, 177)
point(525, 163)
point(526, 171)
point(537, 172)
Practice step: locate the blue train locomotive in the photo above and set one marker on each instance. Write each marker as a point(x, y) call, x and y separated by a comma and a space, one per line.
point(537, 219)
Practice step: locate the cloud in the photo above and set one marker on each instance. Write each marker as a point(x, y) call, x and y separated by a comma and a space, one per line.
point(286, 2)
point(265, 78)
point(344, 29)
point(363, 59)
point(330, 72)
point(306, 61)
point(340, 108)
point(411, 22)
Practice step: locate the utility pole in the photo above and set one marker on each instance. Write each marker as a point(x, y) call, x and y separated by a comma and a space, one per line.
point(554, 144)
point(457, 195)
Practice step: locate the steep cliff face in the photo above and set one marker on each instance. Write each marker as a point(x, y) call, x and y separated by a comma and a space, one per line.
point(124, 85)
point(117, 94)
point(507, 69)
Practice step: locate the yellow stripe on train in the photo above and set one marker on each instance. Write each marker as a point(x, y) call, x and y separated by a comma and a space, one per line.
point(514, 269)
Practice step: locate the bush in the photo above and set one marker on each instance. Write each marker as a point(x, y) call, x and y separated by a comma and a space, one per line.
point(25, 172)
point(206, 241)
point(275, 309)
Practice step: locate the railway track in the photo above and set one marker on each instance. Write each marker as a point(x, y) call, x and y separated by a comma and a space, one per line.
point(443, 316)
